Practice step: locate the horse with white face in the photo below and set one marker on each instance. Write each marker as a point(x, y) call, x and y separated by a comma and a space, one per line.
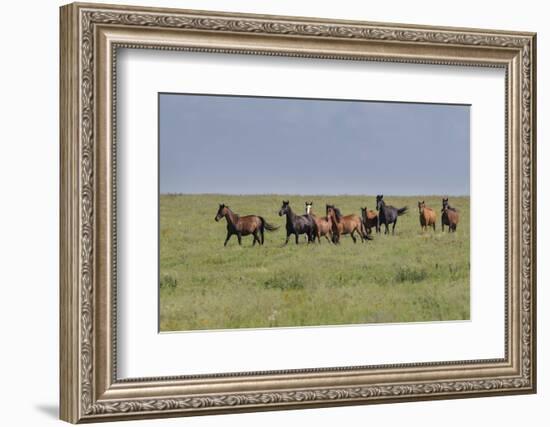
point(324, 224)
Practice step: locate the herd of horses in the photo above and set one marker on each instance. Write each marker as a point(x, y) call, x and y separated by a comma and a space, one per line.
point(333, 225)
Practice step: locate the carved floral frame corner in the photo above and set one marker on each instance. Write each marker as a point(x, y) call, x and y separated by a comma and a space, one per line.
point(90, 37)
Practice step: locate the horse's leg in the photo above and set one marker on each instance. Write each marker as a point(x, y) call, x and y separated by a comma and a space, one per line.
point(434, 226)
point(262, 235)
point(229, 234)
point(393, 228)
point(239, 236)
point(288, 233)
point(297, 237)
point(387, 228)
point(363, 233)
point(255, 238)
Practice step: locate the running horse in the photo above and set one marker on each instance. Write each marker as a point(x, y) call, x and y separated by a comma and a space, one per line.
point(388, 214)
point(449, 216)
point(323, 224)
point(243, 225)
point(297, 224)
point(349, 224)
point(370, 219)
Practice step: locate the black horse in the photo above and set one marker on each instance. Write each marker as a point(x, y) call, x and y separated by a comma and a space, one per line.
point(388, 214)
point(297, 224)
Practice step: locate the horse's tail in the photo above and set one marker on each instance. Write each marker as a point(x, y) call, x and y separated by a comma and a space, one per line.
point(267, 226)
point(402, 211)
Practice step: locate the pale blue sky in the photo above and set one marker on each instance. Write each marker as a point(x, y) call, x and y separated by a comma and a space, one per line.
point(256, 145)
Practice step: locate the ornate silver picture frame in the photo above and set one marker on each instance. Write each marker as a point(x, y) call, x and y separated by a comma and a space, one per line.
point(91, 390)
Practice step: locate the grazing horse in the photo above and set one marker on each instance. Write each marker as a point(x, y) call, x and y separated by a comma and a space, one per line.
point(370, 219)
point(427, 216)
point(244, 225)
point(449, 216)
point(349, 224)
point(297, 224)
point(323, 224)
point(388, 214)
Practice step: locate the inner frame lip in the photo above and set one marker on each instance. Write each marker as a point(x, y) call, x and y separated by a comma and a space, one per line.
point(458, 364)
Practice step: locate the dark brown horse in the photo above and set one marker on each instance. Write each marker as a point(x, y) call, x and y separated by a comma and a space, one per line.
point(370, 219)
point(349, 224)
point(244, 225)
point(449, 216)
point(324, 224)
point(427, 216)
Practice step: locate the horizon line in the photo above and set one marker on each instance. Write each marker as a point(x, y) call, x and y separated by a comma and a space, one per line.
point(311, 194)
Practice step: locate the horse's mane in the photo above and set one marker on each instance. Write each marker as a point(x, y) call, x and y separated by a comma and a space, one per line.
point(236, 216)
point(338, 213)
point(450, 208)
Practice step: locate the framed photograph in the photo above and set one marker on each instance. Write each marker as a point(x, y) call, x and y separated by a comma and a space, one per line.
point(266, 212)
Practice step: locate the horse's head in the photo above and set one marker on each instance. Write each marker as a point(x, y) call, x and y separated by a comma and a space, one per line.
point(421, 206)
point(379, 202)
point(333, 213)
point(445, 203)
point(284, 208)
point(308, 207)
point(222, 211)
point(364, 212)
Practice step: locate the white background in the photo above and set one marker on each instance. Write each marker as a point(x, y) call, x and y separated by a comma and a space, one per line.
point(29, 173)
point(145, 353)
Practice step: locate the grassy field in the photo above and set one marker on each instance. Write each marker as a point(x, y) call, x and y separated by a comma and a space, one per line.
point(410, 277)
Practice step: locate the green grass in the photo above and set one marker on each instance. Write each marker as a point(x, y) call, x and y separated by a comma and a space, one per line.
point(410, 277)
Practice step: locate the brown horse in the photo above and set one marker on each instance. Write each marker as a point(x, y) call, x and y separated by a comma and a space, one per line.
point(324, 224)
point(349, 224)
point(370, 219)
point(244, 225)
point(449, 216)
point(427, 216)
